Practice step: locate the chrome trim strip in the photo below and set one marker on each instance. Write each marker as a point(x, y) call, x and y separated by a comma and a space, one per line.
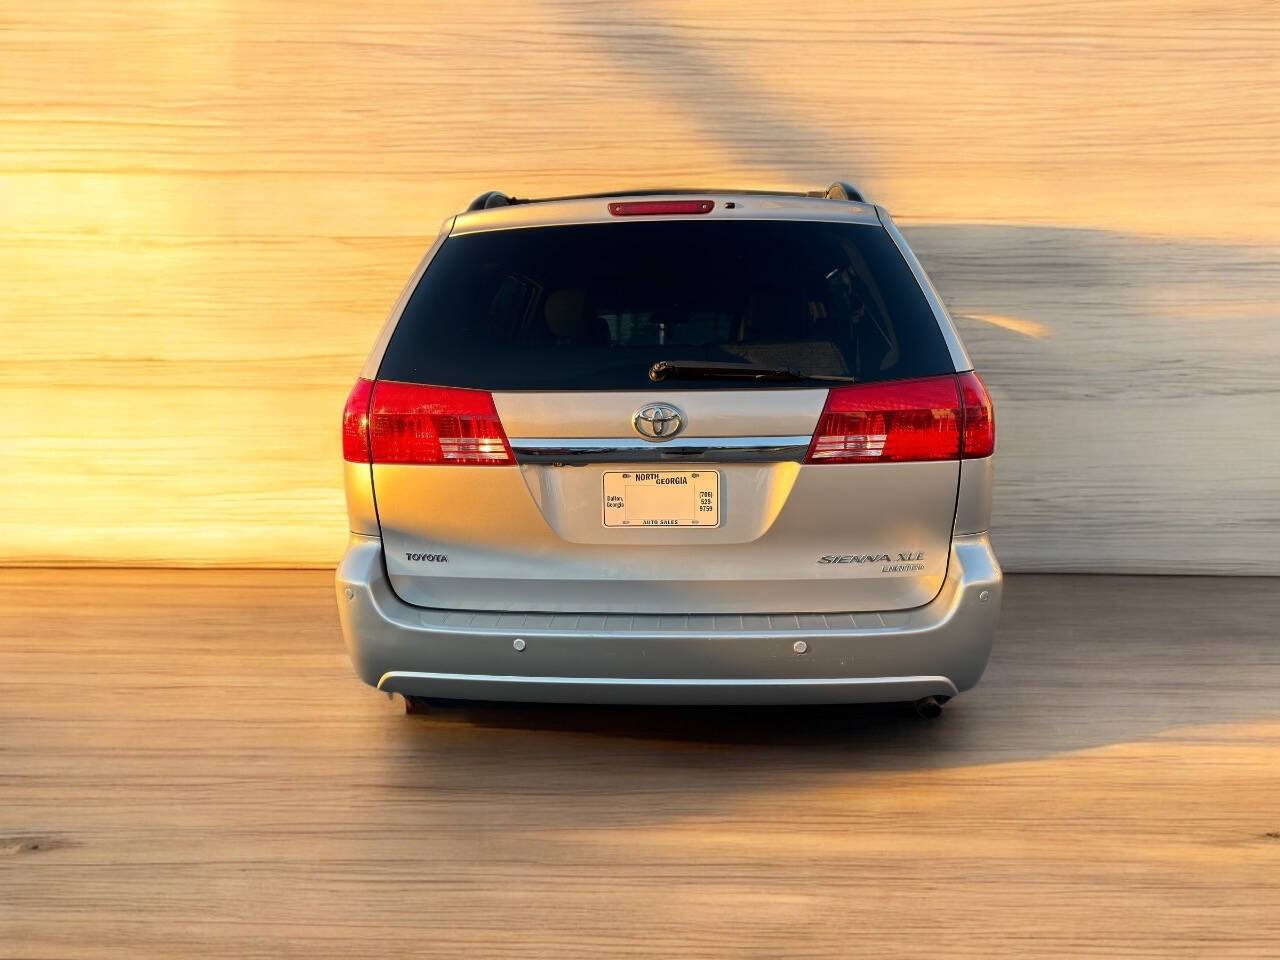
point(583, 450)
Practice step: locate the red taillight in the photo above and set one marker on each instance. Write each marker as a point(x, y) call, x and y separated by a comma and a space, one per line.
point(935, 418)
point(889, 423)
point(652, 208)
point(355, 423)
point(409, 423)
point(979, 417)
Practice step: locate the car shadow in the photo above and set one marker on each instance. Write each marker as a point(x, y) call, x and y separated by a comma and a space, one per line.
point(1080, 662)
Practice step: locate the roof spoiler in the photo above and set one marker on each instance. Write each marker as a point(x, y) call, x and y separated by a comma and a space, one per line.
point(837, 190)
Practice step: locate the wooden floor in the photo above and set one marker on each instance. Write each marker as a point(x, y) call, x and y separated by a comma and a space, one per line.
point(188, 768)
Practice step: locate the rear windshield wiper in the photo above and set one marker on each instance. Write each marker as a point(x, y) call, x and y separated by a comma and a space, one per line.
point(715, 370)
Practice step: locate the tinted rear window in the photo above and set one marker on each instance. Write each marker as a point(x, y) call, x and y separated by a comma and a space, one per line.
point(593, 307)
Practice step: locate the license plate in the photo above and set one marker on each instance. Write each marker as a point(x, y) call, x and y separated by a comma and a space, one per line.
point(662, 498)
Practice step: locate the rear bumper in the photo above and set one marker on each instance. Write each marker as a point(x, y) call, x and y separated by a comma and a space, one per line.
point(939, 649)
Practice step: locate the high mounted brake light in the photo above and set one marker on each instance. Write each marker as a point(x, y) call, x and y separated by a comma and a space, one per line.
point(934, 418)
point(653, 208)
point(409, 423)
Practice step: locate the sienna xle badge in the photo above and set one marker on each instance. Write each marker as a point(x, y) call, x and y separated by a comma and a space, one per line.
point(676, 447)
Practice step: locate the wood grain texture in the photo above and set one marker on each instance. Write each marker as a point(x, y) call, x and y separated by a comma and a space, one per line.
point(206, 209)
point(191, 769)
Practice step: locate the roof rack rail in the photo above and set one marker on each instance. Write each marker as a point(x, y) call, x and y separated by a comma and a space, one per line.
point(837, 190)
point(494, 198)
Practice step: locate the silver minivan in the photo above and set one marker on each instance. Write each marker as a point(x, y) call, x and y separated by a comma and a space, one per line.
point(670, 447)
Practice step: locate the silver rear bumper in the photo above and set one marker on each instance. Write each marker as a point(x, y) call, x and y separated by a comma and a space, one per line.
point(939, 649)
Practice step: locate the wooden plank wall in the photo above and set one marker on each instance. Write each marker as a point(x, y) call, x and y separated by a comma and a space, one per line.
point(207, 207)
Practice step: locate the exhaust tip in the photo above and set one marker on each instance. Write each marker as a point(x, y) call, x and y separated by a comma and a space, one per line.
point(928, 708)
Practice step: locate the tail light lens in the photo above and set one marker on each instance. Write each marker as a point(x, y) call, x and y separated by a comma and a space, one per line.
point(355, 422)
point(890, 422)
point(979, 417)
point(409, 423)
point(936, 418)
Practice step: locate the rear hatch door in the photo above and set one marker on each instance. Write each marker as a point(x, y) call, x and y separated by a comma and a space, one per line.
point(584, 485)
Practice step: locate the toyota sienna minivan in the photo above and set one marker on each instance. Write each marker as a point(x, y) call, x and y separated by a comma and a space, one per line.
point(670, 447)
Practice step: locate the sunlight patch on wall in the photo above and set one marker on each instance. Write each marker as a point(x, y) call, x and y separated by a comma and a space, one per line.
point(1027, 328)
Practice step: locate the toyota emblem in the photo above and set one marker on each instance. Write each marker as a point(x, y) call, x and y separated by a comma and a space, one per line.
point(658, 421)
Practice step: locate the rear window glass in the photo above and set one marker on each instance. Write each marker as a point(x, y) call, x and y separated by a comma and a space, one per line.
point(593, 307)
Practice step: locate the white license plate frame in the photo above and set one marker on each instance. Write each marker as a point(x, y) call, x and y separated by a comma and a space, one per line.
point(659, 500)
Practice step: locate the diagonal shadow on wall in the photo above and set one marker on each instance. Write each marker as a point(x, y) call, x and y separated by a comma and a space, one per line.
point(758, 127)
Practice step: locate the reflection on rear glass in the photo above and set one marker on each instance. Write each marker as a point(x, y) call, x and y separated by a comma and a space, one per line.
point(593, 307)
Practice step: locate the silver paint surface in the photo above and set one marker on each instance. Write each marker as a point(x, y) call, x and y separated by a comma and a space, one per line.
point(940, 648)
